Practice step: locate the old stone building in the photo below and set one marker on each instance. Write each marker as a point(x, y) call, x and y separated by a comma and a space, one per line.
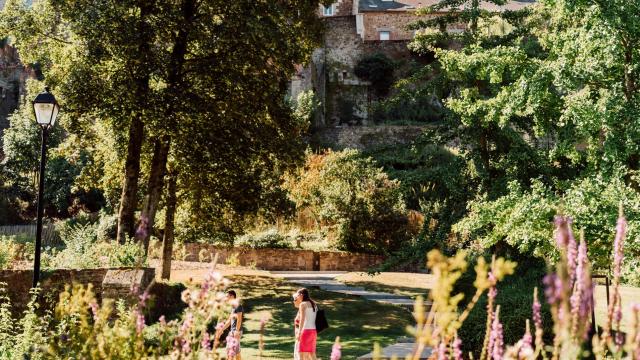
point(13, 76)
point(355, 29)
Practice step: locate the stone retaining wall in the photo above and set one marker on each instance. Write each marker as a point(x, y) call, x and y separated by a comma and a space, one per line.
point(111, 283)
point(284, 259)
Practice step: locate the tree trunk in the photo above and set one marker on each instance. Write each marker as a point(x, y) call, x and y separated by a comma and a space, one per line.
point(128, 199)
point(162, 146)
point(629, 74)
point(167, 241)
point(154, 190)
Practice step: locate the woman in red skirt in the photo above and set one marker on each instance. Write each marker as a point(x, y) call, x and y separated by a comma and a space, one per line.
point(306, 335)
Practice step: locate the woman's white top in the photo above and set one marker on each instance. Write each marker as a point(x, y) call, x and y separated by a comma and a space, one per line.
point(309, 317)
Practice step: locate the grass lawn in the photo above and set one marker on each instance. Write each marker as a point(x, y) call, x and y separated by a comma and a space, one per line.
point(358, 322)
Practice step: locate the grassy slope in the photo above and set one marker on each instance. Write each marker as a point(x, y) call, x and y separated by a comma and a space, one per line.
point(358, 322)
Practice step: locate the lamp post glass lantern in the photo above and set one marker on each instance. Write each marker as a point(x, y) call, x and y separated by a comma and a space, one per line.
point(46, 109)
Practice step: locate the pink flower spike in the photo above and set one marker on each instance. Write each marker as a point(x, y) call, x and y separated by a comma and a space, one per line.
point(139, 322)
point(572, 253)
point(336, 352)
point(457, 348)
point(94, 310)
point(206, 341)
point(442, 351)
point(496, 340)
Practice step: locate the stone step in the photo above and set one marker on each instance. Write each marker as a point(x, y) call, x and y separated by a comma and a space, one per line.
point(400, 350)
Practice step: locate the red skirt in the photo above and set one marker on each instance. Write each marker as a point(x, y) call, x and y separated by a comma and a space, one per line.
point(308, 341)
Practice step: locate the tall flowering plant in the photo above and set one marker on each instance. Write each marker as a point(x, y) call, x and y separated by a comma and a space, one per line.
point(568, 290)
point(80, 328)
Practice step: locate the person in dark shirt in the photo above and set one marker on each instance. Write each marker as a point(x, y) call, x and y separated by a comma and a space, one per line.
point(235, 322)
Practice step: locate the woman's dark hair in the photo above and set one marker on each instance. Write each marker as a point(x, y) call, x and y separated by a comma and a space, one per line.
point(306, 297)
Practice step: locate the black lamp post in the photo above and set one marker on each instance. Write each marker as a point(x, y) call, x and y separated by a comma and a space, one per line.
point(46, 109)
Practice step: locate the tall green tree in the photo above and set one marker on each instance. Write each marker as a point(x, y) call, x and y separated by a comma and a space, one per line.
point(202, 82)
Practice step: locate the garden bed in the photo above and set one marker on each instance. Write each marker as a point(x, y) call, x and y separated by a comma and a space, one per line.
point(115, 283)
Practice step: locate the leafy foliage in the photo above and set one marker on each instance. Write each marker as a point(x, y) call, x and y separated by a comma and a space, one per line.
point(352, 199)
point(522, 218)
point(378, 69)
point(270, 239)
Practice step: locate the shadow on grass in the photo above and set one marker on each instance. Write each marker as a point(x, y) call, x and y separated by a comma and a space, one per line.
point(398, 290)
point(358, 322)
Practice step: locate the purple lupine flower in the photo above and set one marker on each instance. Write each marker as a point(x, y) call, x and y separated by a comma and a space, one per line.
point(141, 231)
point(336, 351)
point(442, 351)
point(144, 297)
point(582, 296)
point(139, 322)
point(206, 341)
point(232, 345)
point(186, 347)
point(94, 310)
point(457, 348)
point(572, 253)
point(553, 288)
point(526, 344)
point(537, 316)
point(562, 234)
point(618, 255)
point(496, 341)
point(493, 291)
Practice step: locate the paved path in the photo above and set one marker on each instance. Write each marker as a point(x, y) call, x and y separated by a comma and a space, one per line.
point(327, 281)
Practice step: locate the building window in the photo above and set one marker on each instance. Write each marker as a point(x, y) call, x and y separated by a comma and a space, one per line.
point(328, 10)
point(385, 35)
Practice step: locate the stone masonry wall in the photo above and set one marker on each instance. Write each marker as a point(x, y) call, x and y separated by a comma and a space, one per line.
point(344, 8)
point(365, 137)
point(18, 283)
point(284, 259)
point(396, 23)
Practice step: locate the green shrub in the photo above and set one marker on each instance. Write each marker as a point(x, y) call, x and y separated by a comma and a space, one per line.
point(80, 248)
point(129, 254)
point(356, 203)
point(15, 248)
point(523, 217)
point(515, 297)
point(6, 252)
point(107, 227)
point(269, 239)
point(165, 300)
point(378, 69)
